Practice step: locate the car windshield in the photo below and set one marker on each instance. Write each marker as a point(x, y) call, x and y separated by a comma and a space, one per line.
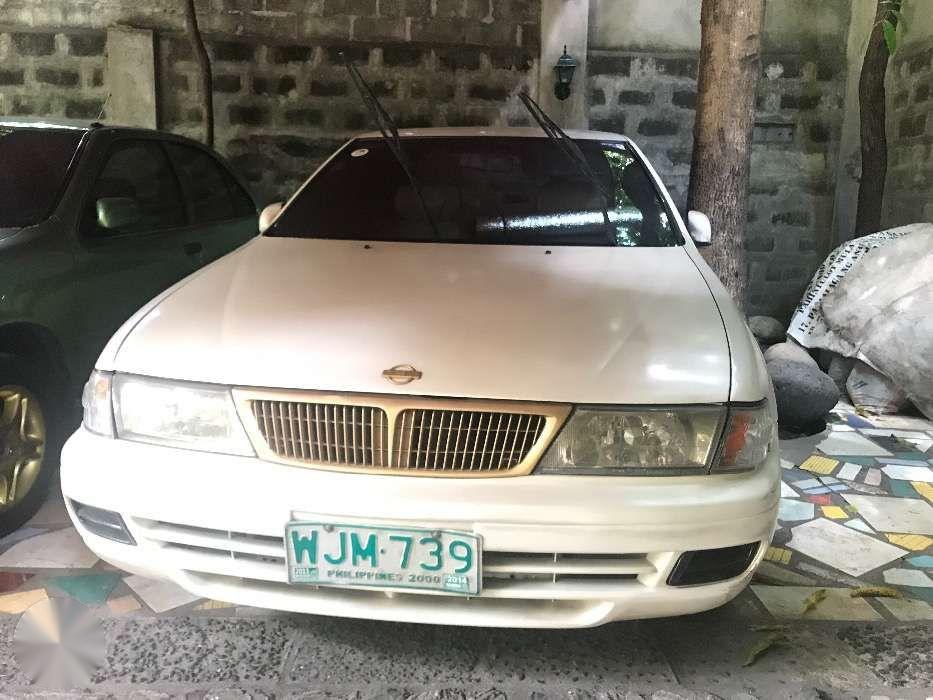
point(493, 190)
point(33, 167)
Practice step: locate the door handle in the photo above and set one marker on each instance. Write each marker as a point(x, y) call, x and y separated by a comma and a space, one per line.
point(193, 249)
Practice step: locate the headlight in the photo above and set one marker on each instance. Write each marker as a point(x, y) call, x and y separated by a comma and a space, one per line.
point(748, 438)
point(179, 414)
point(98, 410)
point(639, 441)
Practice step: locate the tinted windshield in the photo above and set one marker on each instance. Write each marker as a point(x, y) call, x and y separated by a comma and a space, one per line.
point(523, 191)
point(33, 167)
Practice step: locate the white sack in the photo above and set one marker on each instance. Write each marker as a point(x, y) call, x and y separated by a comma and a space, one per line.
point(871, 391)
point(882, 312)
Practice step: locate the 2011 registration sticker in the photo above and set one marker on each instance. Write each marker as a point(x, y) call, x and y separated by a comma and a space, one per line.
point(333, 554)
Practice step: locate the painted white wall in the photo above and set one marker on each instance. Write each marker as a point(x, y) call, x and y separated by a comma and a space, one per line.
point(564, 22)
point(919, 15)
point(672, 25)
point(131, 77)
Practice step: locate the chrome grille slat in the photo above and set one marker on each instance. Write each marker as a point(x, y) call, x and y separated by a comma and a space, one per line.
point(422, 439)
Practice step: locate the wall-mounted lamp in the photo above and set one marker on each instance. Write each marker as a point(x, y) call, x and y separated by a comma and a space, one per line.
point(564, 69)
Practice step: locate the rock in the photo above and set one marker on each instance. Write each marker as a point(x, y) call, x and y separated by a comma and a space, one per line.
point(767, 329)
point(804, 394)
point(790, 352)
point(839, 369)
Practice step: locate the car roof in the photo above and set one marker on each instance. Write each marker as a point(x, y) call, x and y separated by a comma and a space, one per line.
point(77, 124)
point(46, 123)
point(55, 123)
point(496, 131)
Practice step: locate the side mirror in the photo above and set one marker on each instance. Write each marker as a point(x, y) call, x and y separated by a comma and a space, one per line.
point(699, 227)
point(117, 212)
point(268, 215)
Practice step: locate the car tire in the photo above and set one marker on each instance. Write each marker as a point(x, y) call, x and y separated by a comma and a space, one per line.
point(18, 375)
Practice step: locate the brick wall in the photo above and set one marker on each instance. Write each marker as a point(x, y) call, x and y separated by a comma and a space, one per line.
point(909, 188)
point(282, 99)
point(53, 73)
point(652, 98)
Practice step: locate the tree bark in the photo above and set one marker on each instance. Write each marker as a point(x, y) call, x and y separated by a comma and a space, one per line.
point(730, 63)
point(872, 120)
point(205, 75)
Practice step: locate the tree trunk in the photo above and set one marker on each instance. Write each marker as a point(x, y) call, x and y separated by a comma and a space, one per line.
point(872, 120)
point(205, 76)
point(730, 63)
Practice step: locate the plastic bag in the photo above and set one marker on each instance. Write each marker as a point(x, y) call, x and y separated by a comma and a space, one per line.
point(873, 392)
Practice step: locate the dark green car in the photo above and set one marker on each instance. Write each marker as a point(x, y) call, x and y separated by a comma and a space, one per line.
point(94, 221)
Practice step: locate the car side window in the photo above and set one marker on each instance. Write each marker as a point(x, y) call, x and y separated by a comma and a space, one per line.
point(212, 192)
point(136, 192)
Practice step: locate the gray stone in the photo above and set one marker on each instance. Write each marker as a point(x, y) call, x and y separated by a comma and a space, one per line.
point(804, 393)
point(767, 328)
point(790, 352)
point(839, 369)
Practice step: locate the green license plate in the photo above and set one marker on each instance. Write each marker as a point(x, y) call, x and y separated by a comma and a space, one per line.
point(332, 554)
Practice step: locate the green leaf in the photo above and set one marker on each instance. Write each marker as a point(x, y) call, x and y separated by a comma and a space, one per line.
point(762, 646)
point(890, 36)
point(814, 599)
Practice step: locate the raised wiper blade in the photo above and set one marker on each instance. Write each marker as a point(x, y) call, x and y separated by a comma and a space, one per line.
point(390, 134)
point(573, 152)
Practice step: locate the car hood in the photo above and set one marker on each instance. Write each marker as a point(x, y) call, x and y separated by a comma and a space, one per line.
point(582, 325)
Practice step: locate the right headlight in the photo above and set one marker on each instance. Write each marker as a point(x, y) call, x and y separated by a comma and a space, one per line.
point(178, 414)
point(667, 441)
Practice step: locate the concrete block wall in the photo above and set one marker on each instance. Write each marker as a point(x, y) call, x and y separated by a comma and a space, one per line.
point(58, 72)
point(651, 97)
point(282, 107)
point(909, 187)
point(282, 99)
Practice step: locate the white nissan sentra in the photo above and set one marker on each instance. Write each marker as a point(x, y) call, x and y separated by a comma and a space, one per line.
point(478, 395)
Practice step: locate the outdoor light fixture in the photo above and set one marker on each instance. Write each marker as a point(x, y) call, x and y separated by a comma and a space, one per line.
point(564, 68)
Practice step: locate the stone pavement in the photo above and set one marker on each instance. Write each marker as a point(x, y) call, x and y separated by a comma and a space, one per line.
point(855, 512)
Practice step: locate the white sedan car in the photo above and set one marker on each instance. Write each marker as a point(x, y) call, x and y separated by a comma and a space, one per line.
point(481, 394)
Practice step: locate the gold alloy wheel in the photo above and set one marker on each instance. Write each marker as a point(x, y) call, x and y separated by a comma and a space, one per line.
point(22, 443)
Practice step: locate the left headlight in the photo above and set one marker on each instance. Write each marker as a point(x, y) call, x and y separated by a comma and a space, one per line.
point(178, 414)
point(637, 441)
point(663, 441)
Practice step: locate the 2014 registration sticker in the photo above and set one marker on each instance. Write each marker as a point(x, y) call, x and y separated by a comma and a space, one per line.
point(332, 554)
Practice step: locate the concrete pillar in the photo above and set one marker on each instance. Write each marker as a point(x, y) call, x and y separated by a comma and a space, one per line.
point(849, 161)
point(564, 22)
point(131, 77)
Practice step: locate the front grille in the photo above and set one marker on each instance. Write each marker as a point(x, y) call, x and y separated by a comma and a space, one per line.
point(324, 433)
point(464, 440)
point(395, 435)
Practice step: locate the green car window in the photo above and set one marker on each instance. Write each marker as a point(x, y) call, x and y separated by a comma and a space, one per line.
point(138, 173)
point(211, 191)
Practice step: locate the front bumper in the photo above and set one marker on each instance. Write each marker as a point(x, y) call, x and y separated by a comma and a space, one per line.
point(214, 524)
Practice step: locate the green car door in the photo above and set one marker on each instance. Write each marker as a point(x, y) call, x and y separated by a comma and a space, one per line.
point(223, 214)
point(140, 232)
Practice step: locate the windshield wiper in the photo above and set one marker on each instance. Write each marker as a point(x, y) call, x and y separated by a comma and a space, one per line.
point(573, 152)
point(390, 135)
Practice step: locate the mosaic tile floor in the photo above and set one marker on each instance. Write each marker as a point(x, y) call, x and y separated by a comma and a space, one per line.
point(855, 511)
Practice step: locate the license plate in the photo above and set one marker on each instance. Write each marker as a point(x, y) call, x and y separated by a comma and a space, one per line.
point(331, 554)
